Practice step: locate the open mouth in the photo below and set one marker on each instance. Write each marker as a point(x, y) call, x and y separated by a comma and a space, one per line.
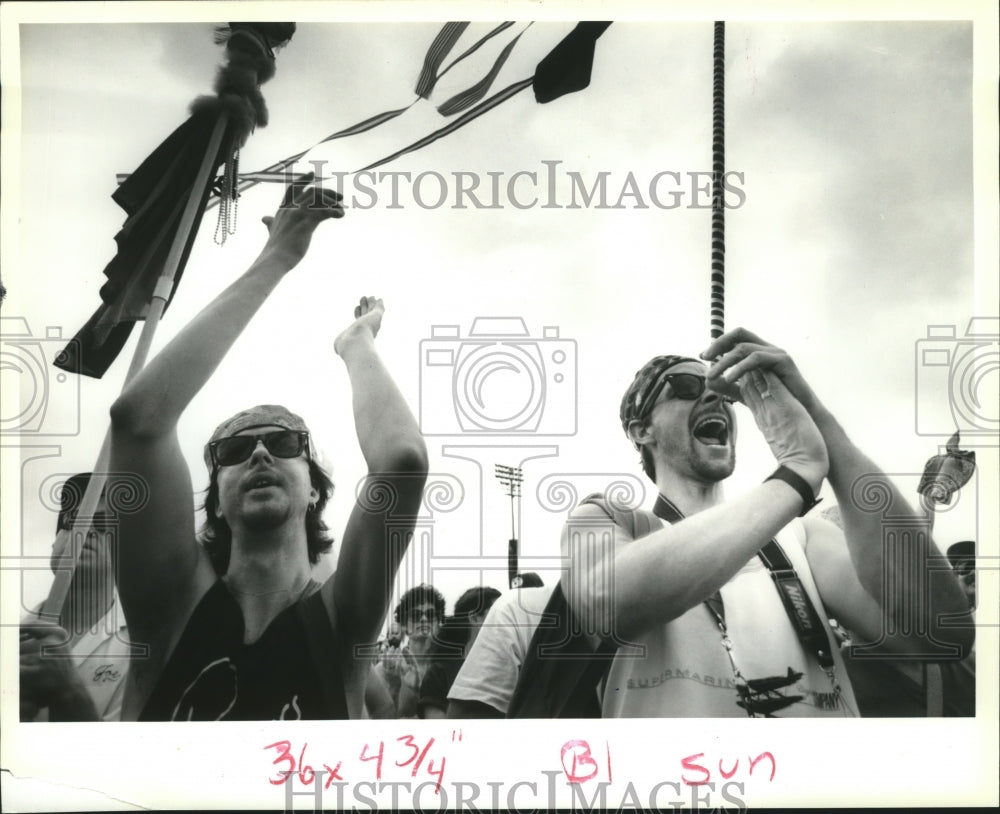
point(712, 431)
point(261, 482)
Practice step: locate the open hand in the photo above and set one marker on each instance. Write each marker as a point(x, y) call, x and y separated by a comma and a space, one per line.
point(303, 208)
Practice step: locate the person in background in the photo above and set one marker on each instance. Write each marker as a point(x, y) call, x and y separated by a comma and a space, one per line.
point(893, 687)
point(458, 635)
point(488, 676)
point(962, 556)
point(420, 612)
point(83, 677)
point(392, 641)
point(956, 697)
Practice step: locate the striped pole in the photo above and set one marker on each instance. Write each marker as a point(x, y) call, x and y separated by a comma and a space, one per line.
point(718, 295)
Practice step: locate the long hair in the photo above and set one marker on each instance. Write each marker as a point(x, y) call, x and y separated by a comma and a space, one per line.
point(423, 594)
point(217, 538)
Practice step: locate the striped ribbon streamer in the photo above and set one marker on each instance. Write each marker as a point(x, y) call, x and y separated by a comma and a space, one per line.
point(274, 172)
point(473, 48)
point(461, 101)
point(718, 290)
point(443, 43)
point(475, 113)
point(275, 175)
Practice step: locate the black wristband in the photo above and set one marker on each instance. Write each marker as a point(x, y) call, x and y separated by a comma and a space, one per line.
point(799, 484)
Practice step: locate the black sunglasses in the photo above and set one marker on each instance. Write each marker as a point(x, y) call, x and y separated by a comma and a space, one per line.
point(687, 386)
point(416, 614)
point(237, 448)
point(102, 521)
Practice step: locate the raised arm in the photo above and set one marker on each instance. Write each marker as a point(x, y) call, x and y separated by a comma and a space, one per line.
point(381, 524)
point(851, 570)
point(162, 569)
point(620, 586)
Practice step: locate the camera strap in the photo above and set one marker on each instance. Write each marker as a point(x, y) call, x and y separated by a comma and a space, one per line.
point(798, 606)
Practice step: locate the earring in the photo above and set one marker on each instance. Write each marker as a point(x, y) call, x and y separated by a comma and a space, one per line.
point(312, 508)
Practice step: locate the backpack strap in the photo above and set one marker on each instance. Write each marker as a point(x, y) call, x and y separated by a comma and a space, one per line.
point(564, 666)
point(561, 668)
point(638, 522)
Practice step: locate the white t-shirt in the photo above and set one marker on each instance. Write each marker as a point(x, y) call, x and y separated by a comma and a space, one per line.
point(101, 657)
point(489, 674)
point(687, 673)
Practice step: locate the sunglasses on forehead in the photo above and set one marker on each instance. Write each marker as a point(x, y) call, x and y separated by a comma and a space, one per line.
point(237, 448)
point(687, 386)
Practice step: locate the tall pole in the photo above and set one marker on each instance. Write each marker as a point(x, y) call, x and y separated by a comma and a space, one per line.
point(249, 63)
point(52, 608)
point(718, 294)
point(511, 477)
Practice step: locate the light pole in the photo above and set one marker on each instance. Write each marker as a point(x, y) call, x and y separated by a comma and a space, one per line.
point(511, 477)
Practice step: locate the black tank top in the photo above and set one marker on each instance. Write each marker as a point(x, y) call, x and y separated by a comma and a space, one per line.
point(291, 672)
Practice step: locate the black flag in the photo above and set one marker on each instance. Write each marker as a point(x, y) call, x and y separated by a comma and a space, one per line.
point(567, 67)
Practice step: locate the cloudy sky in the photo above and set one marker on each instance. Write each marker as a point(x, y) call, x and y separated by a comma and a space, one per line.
point(853, 230)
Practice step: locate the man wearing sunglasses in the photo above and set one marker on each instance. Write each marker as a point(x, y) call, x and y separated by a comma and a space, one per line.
point(237, 627)
point(84, 678)
point(700, 616)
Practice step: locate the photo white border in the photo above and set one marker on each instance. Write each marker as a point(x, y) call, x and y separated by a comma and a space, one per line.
point(870, 762)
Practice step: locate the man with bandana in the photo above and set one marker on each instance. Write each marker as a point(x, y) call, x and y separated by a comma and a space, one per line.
point(237, 627)
point(720, 609)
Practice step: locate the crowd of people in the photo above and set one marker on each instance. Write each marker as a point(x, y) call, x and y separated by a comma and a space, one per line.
point(706, 606)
